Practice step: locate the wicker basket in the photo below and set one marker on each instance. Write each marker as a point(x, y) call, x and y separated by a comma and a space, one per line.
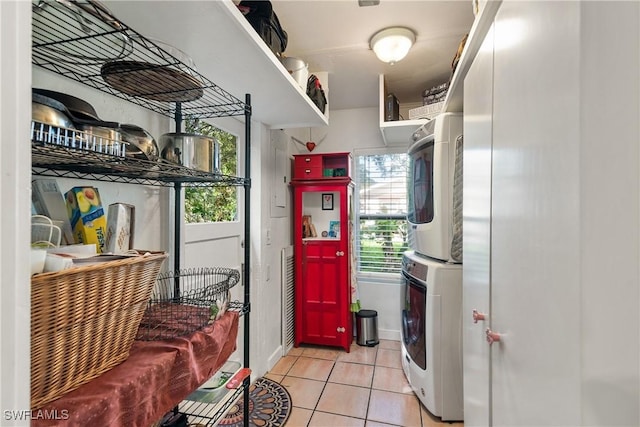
point(84, 320)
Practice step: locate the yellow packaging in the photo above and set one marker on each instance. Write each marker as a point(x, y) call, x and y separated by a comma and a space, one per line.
point(88, 221)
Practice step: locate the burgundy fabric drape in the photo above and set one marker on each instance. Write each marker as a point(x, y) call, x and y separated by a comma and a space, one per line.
point(153, 380)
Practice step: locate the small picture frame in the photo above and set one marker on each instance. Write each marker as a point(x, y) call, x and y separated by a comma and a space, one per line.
point(327, 202)
point(334, 229)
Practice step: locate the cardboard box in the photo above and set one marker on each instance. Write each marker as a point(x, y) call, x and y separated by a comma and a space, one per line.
point(47, 200)
point(88, 221)
point(120, 227)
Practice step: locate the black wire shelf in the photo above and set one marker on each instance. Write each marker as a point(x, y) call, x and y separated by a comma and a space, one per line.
point(65, 162)
point(83, 41)
point(206, 414)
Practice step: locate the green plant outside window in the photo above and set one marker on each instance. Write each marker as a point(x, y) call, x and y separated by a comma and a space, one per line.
point(213, 204)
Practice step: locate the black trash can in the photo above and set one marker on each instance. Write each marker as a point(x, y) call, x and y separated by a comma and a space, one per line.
point(367, 328)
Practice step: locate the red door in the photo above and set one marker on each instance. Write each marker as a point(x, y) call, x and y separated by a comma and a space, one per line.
point(321, 297)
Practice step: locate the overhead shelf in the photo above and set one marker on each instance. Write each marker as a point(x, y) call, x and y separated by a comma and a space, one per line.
point(396, 132)
point(454, 101)
point(399, 132)
point(226, 48)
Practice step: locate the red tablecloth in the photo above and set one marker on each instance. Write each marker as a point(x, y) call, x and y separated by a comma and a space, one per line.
point(154, 379)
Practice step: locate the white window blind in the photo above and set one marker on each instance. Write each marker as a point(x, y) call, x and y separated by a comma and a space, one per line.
point(381, 185)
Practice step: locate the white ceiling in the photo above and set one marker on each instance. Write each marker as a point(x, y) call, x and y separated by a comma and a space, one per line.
point(333, 36)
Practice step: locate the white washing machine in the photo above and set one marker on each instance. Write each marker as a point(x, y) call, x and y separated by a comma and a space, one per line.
point(432, 333)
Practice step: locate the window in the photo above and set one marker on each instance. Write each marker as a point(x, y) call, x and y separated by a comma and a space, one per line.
point(381, 206)
point(213, 204)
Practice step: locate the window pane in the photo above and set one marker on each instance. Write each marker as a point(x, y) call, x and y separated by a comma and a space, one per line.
point(213, 204)
point(382, 205)
point(381, 244)
point(382, 184)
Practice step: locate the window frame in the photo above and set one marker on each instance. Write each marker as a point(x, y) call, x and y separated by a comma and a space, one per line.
point(370, 276)
point(238, 142)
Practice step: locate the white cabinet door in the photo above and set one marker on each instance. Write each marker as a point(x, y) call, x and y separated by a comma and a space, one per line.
point(478, 110)
point(552, 233)
point(535, 225)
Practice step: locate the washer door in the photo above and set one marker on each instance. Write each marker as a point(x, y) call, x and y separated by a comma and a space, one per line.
point(413, 319)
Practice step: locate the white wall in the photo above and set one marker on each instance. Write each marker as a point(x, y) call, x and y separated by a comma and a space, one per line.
point(348, 130)
point(15, 116)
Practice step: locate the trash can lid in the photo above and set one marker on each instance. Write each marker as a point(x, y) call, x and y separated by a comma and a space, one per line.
point(367, 313)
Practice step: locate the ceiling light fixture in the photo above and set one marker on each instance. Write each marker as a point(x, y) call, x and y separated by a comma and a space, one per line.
point(392, 44)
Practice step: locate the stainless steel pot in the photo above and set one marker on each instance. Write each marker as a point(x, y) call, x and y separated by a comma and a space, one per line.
point(191, 150)
point(298, 69)
point(140, 143)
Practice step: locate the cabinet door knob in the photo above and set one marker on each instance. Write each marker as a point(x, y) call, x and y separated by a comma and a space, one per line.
point(307, 159)
point(340, 329)
point(478, 316)
point(307, 171)
point(339, 253)
point(492, 336)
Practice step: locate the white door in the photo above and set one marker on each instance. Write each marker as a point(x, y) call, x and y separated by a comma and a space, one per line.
point(219, 244)
point(478, 105)
point(535, 226)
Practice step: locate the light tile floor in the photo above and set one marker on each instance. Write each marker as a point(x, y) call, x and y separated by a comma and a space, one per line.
point(363, 388)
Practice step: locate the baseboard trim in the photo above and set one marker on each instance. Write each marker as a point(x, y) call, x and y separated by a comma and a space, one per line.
point(274, 358)
point(389, 334)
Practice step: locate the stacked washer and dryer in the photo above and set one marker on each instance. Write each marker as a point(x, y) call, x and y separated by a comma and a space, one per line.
point(432, 268)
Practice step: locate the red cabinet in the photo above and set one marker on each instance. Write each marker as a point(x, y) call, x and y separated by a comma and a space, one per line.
point(322, 208)
point(321, 166)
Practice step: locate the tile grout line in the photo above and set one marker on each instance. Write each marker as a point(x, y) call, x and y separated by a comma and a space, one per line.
point(315, 408)
point(334, 361)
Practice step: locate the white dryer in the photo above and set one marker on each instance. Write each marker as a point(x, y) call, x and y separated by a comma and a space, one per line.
point(432, 333)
